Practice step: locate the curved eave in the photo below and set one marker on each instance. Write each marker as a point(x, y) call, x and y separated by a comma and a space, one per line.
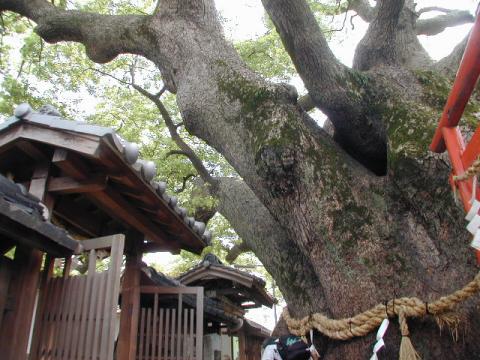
point(215, 272)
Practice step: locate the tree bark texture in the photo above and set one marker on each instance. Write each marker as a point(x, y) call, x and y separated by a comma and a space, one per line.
point(341, 224)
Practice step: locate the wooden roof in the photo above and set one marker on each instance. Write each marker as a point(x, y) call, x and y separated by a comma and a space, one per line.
point(21, 222)
point(239, 287)
point(97, 183)
point(252, 328)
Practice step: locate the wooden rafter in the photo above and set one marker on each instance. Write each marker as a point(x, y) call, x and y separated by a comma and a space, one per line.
point(68, 185)
point(31, 150)
point(78, 217)
point(110, 201)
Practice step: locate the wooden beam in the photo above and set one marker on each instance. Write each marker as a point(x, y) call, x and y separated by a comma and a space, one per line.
point(166, 290)
point(38, 184)
point(8, 137)
point(70, 164)
point(26, 238)
point(153, 247)
point(78, 217)
point(81, 143)
point(165, 216)
point(68, 185)
point(31, 150)
point(103, 242)
point(119, 208)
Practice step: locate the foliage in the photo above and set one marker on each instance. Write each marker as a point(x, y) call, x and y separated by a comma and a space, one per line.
point(266, 55)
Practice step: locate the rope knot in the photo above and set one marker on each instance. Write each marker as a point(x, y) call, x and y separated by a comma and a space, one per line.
point(402, 320)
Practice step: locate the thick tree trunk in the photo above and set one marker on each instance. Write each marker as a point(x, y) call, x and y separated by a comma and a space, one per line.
point(350, 238)
point(265, 236)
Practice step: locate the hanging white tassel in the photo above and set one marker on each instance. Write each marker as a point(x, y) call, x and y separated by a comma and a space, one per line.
point(380, 343)
point(313, 350)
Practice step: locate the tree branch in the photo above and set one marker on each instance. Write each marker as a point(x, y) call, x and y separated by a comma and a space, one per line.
point(449, 64)
point(328, 82)
point(109, 75)
point(304, 41)
point(176, 152)
point(363, 9)
point(104, 36)
point(236, 251)
point(185, 149)
point(433, 8)
point(306, 102)
point(378, 46)
point(184, 183)
point(439, 23)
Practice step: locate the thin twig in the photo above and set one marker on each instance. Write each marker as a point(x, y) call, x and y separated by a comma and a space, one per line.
point(184, 183)
point(109, 75)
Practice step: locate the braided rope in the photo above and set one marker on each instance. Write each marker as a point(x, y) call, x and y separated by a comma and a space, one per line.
point(367, 321)
point(473, 170)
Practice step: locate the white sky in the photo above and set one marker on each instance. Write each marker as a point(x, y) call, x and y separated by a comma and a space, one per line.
point(244, 20)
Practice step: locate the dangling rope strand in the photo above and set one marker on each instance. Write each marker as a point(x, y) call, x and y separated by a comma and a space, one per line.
point(407, 351)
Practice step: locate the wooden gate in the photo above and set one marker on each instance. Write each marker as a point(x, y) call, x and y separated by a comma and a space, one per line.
point(170, 330)
point(77, 315)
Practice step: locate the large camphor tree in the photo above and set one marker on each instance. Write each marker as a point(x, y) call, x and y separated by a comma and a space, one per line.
point(342, 220)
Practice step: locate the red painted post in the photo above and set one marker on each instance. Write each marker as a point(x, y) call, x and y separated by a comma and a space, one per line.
point(467, 76)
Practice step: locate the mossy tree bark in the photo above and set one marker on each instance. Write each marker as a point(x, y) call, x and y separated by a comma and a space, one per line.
point(341, 223)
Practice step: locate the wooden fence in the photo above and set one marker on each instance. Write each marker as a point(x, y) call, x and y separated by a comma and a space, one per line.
point(77, 315)
point(168, 333)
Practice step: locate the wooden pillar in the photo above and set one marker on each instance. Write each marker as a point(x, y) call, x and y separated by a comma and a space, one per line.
point(130, 307)
point(27, 262)
point(242, 349)
point(14, 337)
point(45, 276)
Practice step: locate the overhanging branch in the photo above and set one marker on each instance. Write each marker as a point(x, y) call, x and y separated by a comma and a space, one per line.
point(104, 36)
point(439, 23)
point(433, 8)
